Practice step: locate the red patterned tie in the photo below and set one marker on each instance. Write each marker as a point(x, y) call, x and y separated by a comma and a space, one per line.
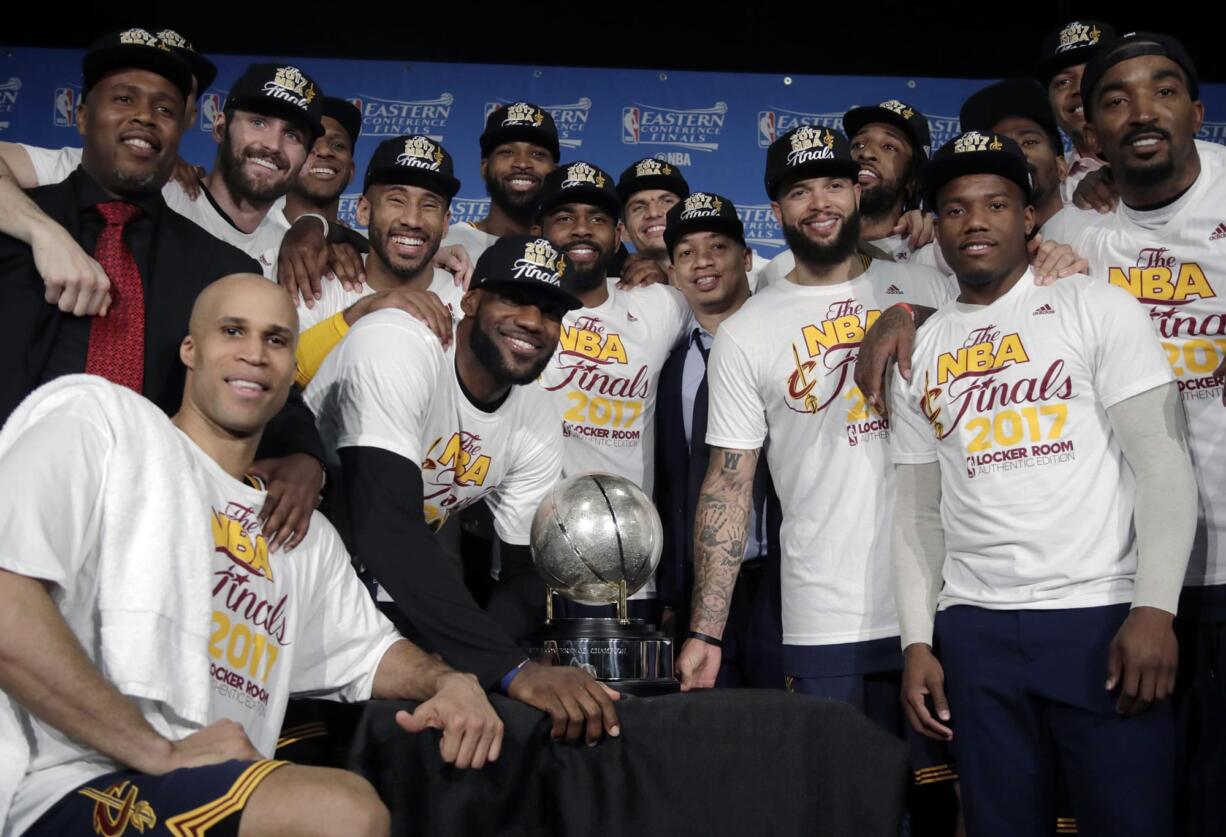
point(117, 341)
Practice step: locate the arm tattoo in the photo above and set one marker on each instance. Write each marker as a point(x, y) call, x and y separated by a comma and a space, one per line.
point(721, 525)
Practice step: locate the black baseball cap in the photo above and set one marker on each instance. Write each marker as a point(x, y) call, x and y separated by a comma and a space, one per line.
point(1135, 45)
point(650, 173)
point(1074, 43)
point(135, 49)
point(975, 152)
point(280, 90)
point(579, 182)
point(346, 113)
point(902, 116)
point(702, 212)
point(203, 69)
point(1014, 97)
point(808, 151)
point(526, 262)
point(520, 122)
point(412, 161)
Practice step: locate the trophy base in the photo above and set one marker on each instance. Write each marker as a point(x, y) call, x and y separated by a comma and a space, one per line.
point(633, 658)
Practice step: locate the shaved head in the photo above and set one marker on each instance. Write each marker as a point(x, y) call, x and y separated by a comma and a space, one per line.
point(231, 295)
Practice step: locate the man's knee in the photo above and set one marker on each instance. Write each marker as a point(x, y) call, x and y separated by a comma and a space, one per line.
point(317, 801)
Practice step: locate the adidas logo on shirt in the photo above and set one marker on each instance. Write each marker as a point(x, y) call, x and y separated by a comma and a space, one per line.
point(1219, 233)
point(1044, 309)
point(893, 289)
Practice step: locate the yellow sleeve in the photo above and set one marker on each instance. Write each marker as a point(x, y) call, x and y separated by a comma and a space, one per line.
point(315, 343)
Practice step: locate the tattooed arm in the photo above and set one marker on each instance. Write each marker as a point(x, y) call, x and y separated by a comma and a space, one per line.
point(721, 525)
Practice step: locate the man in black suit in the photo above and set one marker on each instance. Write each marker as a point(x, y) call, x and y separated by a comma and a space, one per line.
point(131, 121)
point(710, 264)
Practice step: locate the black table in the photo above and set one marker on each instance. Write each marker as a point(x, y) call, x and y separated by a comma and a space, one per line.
point(736, 762)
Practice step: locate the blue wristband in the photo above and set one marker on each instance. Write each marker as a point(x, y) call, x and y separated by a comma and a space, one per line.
point(504, 685)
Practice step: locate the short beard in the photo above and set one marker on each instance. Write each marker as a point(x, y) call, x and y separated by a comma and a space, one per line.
point(231, 166)
point(138, 185)
point(1147, 177)
point(488, 355)
point(519, 207)
point(378, 243)
point(585, 279)
point(814, 255)
point(880, 201)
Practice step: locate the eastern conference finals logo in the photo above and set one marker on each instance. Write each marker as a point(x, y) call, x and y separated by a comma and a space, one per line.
point(8, 100)
point(695, 129)
point(397, 117)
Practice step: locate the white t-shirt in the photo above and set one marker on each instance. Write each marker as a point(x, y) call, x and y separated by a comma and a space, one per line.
point(1173, 260)
point(335, 299)
point(1011, 399)
point(780, 374)
point(283, 623)
point(262, 245)
point(470, 238)
point(1203, 147)
point(390, 385)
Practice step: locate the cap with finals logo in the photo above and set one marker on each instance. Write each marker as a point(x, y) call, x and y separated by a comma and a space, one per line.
point(902, 116)
point(526, 263)
point(579, 182)
point(702, 212)
point(1134, 45)
point(135, 49)
point(650, 173)
point(412, 161)
point(279, 90)
point(203, 69)
point(520, 122)
point(808, 151)
point(975, 152)
point(1073, 43)
point(1015, 97)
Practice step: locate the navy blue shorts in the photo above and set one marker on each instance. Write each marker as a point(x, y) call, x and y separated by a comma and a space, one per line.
point(1200, 704)
point(1026, 693)
point(191, 802)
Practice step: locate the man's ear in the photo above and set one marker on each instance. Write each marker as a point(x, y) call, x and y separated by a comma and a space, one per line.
point(1028, 215)
point(363, 211)
point(470, 302)
point(187, 352)
point(219, 127)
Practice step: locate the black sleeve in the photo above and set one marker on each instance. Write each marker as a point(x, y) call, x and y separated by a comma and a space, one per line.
point(384, 496)
point(517, 602)
point(292, 431)
point(359, 241)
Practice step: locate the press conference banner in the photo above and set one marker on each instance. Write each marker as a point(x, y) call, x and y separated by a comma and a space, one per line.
point(715, 127)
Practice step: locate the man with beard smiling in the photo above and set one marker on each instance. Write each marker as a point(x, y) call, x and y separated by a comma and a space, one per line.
point(422, 433)
point(518, 148)
point(780, 378)
point(1045, 513)
point(1164, 245)
point(269, 121)
point(605, 373)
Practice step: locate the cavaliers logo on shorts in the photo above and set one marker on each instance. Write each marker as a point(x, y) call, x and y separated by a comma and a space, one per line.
point(117, 807)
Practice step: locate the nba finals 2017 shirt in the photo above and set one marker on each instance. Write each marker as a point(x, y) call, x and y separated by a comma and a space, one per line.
point(1011, 399)
point(1173, 261)
point(780, 375)
point(390, 385)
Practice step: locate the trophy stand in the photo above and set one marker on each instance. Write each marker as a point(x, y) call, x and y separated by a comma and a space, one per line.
point(625, 654)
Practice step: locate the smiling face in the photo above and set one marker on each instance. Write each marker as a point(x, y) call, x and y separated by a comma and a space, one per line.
point(131, 123)
point(1047, 166)
point(644, 221)
point(513, 175)
point(588, 236)
point(513, 332)
point(982, 224)
point(1064, 93)
point(885, 157)
point(406, 225)
point(820, 219)
point(1144, 122)
point(329, 166)
point(711, 270)
point(260, 156)
point(239, 353)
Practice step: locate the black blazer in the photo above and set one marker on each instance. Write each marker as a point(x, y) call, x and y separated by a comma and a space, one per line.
point(679, 475)
point(184, 259)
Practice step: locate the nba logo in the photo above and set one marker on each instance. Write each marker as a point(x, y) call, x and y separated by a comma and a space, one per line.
point(210, 106)
point(490, 107)
point(65, 115)
point(630, 125)
point(852, 439)
point(766, 128)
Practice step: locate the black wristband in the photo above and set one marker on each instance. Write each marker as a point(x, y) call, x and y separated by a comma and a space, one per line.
point(709, 640)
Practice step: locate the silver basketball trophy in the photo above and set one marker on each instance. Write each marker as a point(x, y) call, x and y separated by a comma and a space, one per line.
point(597, 539)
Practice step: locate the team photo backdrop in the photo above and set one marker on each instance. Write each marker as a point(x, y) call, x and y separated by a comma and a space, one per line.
point(714, 127)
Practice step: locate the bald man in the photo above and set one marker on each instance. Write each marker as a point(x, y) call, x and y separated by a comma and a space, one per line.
point(203, 631)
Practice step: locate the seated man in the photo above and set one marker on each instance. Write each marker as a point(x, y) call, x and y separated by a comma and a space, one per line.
point(152, 691)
